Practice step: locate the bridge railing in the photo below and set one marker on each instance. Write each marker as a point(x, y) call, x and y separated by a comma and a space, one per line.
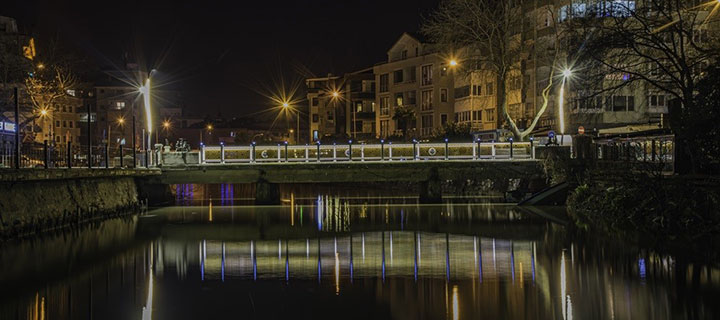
point(367, 152)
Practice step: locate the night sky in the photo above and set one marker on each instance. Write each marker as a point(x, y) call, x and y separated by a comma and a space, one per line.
point(220, 55)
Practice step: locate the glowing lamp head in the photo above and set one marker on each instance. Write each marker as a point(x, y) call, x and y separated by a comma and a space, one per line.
point(335, 94)
point(43, 112)
point(567, 73)
point(453, 63)
point(121, 120)
point(166, 124)
point(209, 127)
point(285, 105)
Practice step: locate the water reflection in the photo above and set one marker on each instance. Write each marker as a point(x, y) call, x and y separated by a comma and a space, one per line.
point(330, 258)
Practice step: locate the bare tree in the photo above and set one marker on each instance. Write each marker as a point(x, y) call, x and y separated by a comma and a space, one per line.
point(662, 43)
point(489, 33)
point(662, 46)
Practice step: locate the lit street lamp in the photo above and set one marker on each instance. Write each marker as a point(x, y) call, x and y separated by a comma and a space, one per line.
point(567, 73)
point(286, 106)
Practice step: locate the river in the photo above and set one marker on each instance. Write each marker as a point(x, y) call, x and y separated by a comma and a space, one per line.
point(331, 254)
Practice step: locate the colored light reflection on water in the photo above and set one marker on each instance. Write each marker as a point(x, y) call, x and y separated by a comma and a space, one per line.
point(346, 260)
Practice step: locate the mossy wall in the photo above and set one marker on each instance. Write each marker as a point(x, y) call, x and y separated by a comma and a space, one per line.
point(28, 207)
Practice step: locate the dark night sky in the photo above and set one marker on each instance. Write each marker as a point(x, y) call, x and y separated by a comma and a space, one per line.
point(221, 54)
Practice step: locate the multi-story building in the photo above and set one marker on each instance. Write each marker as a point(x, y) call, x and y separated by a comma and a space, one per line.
point(418, 81)
point(114, 103)
point(342, 106)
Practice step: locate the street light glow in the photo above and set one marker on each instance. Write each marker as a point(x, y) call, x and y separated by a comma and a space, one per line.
point(285, 105)
point(166, 124)
point(209, 127)
point(453, 62)
point(121, 120)
point(145, 90)
point(335, 94)
point(567, 73)
point(43, 112)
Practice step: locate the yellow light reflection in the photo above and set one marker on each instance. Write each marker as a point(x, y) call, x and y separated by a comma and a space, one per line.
point(337, 274)
point(455, 303)
point(210, 211)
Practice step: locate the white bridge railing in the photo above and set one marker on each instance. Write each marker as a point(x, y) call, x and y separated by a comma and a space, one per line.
point(367, 152)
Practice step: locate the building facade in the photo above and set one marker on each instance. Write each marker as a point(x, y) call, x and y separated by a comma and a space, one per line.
point(414, 80)
point(342, 106)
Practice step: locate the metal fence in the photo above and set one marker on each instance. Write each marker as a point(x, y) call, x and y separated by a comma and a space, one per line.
point(649, 149)
point(367, 152)
point(69, 156)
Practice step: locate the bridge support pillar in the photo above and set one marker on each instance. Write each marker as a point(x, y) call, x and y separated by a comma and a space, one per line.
point(431, 189)
point(267, 193)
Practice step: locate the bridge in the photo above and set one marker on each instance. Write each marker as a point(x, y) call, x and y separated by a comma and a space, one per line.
point(430, 168)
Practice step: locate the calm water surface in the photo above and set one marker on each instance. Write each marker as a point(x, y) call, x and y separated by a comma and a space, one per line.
point(343, 257)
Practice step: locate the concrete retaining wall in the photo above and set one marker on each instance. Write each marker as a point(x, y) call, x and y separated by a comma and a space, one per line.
point(31, 204)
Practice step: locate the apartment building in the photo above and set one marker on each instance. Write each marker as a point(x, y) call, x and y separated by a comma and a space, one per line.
point(417, 79)
point(342, 106)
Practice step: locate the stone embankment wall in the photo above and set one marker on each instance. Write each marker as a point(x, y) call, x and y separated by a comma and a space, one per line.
point(33, 201)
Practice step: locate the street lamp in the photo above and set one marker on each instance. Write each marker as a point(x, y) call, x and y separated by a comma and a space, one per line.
point(145, 90)
point(567, 73)
point(44, 113)
point(166, 127)
point(453, 63)
point(286, 106)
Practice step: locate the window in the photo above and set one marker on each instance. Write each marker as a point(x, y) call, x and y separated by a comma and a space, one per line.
point(443, 119)
point(426, 74)
point(489, 89)
point(490, 115)
point(403, 54)
point(443, 70)
point(477, 115)
point(57, 138)
point(657, 101)
point(64, 109)
point(70, 92)
point(64, 124)
point(412, 74)
point(399, 99)
point(119, 105)
point(57, 123)
point(315, 102)
point(426, 123)
point(515, 83)
point(71, 123)
point(70, 109)
point(372, 106)
point(398, 76)
point(411, 97)
point(700, 36)
point(620, 103)
point(462, 92)
point(477, 90)
point(358, 106)
point(330, 116)
point(384, 82)
point(385, 106)
point(316, 117)
point(384, 127)
point(426, 100)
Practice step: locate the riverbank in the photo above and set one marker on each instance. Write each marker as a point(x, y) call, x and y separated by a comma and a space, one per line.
point(35, 201)
point(673, 212)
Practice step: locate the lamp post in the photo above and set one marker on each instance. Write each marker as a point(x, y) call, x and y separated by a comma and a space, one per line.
point(567, 73)
point(145, 90)
point(286, 106)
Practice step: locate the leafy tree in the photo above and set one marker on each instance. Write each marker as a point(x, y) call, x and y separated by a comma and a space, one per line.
point(404, 115)
point(455, 132)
